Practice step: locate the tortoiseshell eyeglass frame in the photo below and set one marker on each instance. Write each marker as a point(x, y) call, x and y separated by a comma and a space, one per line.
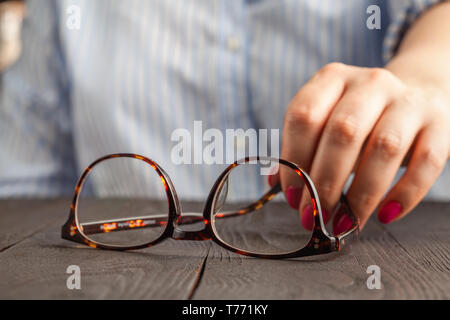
point(320, 242)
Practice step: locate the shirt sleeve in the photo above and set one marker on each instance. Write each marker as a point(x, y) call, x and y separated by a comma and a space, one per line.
point(402, 13)
point(36, 157)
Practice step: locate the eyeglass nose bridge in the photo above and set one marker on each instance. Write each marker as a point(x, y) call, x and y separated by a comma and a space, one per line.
point(190, 218)
point(200, 235)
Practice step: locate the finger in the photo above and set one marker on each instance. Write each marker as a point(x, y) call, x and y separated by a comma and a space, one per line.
point(343, 136)
point(386, 148)
point(427, 161)
point(303, 123)
point(273, 177)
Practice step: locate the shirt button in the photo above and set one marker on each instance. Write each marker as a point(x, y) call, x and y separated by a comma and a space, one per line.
point(233, 43)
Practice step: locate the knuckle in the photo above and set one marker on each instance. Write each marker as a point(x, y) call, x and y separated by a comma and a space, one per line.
point(378, 75)
point(417, 188)
point(326, 188)
point(366, 202)
point(303, 116)
point(432, 157)
point(411, 99)
point(388, 144)
point(332, 68)
point(344, 130)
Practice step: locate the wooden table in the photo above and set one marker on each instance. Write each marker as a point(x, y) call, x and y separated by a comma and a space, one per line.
point(413, 256)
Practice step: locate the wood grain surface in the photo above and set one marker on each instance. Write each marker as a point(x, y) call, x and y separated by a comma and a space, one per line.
point(413, 256)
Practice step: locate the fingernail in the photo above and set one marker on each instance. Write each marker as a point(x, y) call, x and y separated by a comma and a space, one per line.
point(389, 212)
point(293, 196)
point(343, 224)
point(324, 216)
point(272, 174)
point(308, 217)
point(269, 180)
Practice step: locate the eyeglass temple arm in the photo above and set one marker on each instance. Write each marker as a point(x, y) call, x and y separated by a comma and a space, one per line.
point(254, 206)
point(160, 220)
point(123, 224)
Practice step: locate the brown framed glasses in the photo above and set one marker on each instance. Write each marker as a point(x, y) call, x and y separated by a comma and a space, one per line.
point(114, 207)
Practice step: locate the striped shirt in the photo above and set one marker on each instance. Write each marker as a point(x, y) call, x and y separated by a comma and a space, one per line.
point(135, 71)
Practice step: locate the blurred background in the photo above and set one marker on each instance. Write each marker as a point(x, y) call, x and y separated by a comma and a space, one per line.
point(132, 73)
point(11, 16)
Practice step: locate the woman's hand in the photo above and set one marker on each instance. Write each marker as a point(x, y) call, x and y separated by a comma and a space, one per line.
point(365, 120)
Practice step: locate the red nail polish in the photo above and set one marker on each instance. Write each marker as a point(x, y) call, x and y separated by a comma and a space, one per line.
point(389, 212)
point(325, 216)
point(343, 224)
point(272, 175)
point(293, 196)
point(308, 217)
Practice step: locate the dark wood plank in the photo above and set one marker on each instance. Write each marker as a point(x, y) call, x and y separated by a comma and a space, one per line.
point(413, 256)
point(22, 218)
point(424, 236)
point(36, 267)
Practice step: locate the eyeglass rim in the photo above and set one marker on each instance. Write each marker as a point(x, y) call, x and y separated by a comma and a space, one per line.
point(319, 231)
point(71, 230)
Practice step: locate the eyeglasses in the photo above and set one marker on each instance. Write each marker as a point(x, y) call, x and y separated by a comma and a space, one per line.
point(114, 208)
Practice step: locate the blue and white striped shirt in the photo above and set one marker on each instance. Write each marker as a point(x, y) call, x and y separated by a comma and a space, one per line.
point(137, 70)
